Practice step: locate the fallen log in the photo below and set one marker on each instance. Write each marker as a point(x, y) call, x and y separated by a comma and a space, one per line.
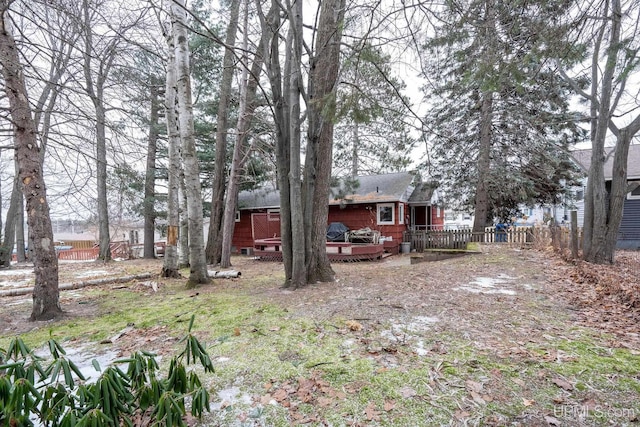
point(227, 274)
point(79, 285)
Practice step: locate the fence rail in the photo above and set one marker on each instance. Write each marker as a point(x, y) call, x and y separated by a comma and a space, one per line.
point(458, 239)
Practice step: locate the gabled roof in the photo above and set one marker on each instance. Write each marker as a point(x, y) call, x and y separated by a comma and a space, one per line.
point(423, 193)
point(583, 159)
point(391, 187)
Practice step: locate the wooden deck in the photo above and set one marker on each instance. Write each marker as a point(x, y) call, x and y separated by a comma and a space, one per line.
point(271, 250)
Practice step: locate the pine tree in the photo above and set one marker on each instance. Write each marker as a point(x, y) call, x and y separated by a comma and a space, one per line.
point(498, 105)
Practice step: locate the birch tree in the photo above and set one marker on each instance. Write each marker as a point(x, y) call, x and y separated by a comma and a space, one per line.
point(191, 168)
point(46, 295)
point(170, 262)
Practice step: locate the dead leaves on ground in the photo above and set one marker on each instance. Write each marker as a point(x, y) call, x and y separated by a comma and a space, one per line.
point(313, 390)
point(607, 295)
point(318, 394)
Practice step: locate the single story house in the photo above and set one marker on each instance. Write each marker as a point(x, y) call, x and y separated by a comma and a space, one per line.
point(629, 232)
point(388, 203)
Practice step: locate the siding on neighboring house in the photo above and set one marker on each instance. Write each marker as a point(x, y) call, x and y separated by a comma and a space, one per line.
point(629, 232)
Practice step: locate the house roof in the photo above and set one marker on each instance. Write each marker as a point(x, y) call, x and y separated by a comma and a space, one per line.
point(423, 193)
point(265, 197)
point(372, 189)
point(392, 187)
point(583, 158)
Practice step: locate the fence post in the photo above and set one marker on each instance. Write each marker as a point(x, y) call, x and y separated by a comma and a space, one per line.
point(574, 234)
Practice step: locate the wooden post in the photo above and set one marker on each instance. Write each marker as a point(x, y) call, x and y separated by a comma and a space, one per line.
point(574, 234)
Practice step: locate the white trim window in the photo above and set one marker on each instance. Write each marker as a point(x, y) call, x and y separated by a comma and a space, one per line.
point(237, 216)
point(386, 213)
point(634, 195)
point(401, 213)
point(273, 214)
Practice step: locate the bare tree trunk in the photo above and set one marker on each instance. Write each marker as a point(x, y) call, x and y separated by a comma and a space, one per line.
point(170, 263)
point(271, 25)
point(150, 174)
point(183, 240)
point(483, 164)
point(596, 226)
point(214, 242)
point(46, 303)
point(19, 227)
point(95, 91)
point(354, 150)
point(298, 235)
point(197, 259)
point(9, 236)
point(247, 109)
point(323, 77)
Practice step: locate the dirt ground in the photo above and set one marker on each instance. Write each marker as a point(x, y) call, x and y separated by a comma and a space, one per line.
point(503, 295)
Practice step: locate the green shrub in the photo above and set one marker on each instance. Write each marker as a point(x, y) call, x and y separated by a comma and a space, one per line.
point(56, 394)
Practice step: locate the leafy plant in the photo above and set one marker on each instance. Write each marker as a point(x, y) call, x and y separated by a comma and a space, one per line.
point(57, 394)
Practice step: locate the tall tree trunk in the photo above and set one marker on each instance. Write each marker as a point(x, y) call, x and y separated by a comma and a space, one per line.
point(294, 59)
point(183, 240)
point(21, 246)
point(483, 164)
point(46, 303)
point(9, 236)
point(323, 77)
point(354, 150)
point(596, 225)
point(150, 174)
point(279, 84)
point(191, 168)
point(170, 263)
point(240, 153)
point(214, 242)
point(95, 91)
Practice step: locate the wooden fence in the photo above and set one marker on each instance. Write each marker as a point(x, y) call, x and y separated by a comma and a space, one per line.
point(118, 250)
point(457, 239)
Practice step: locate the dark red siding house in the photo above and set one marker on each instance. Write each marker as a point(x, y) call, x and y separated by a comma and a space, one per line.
point(389, 204)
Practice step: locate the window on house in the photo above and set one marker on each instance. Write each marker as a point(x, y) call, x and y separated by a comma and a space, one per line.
point(635, 194)
point(580, 194)
point(401, 213)
point(385, 214)
point(466, 216)
point(237, 216)
point(273, 214)
point(450, 216)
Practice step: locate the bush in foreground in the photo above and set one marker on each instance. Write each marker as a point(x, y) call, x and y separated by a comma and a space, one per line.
point(130, 392)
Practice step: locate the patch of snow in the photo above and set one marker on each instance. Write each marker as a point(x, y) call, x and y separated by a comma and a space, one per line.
point(92, 273)
point(15, 284)
point(489, 285)
point(231, 396)
point(16, 272)
point(402, 330)
point(83, 358)
point(419, 349)
point(223, 359)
